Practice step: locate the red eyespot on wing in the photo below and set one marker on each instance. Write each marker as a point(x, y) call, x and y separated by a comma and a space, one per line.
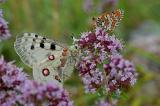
point(45, 72)
point(51, 57)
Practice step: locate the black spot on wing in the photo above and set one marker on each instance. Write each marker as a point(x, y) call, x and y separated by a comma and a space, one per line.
point(34, 39)
point(44, 38)
point(41, 45)
point(52, 46)
point(36, 35)
point(32, 47)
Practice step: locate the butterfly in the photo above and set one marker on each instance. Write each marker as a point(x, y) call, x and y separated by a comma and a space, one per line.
point(50, 60)
point(108, 21)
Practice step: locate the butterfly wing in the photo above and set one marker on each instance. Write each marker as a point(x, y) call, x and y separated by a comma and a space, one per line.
point(109, 21)
point(46, 71)
point(33, 48)
point(50, 71)
point(68, 68)
point(45, 57)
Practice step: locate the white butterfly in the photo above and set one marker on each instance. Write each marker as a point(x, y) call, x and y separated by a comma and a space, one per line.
point(50, 60)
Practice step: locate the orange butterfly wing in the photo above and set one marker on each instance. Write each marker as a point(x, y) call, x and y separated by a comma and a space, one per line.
point(109, 21)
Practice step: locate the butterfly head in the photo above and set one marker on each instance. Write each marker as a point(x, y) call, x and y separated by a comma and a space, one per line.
point(74, 47)
point(74, 50)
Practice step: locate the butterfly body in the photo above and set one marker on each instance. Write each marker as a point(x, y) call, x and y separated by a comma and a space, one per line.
point(50, 60)
point(108, 21)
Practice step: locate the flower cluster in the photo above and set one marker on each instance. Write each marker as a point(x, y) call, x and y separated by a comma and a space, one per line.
point(4, 32)
point(97, 60)
point(99, 41)
point(121, 73)
point(11, 78)
point(33, 93)
point(16, 88)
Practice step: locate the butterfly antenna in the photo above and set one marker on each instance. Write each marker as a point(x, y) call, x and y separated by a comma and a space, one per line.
point(69, 38)
point(72, 36)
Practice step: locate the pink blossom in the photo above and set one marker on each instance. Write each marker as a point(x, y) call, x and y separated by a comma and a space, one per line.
point(4, 31)
point(100, 65)
point(16, 88)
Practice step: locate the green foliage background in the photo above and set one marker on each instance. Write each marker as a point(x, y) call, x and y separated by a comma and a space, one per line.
point(58, 19)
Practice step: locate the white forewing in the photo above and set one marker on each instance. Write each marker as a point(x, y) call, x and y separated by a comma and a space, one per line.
point(36, 56)
point(32, 56)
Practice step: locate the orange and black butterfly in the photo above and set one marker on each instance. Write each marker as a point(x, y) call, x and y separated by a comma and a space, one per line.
point(108, 21)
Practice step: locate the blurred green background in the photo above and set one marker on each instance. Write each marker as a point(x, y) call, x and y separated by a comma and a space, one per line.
point(139, 30)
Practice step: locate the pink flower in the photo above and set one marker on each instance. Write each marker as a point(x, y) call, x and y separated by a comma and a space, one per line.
point(16, 88)
point(11, 78)
point(43, 94)
point(100, 64)
point(4, 32)
point(100, 41)
point(121, 73)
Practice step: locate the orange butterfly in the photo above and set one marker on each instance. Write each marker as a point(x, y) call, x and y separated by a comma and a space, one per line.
point(108, 21)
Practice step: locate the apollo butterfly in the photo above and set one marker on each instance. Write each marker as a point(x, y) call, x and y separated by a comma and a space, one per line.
point(50, 60)
point(108, 21)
